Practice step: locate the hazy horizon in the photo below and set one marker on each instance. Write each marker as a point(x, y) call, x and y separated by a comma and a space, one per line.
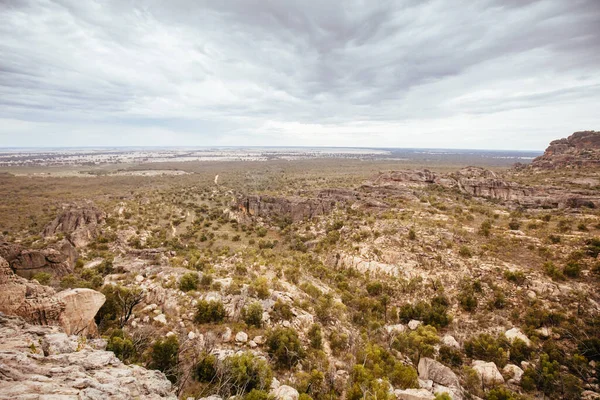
point(495, 74)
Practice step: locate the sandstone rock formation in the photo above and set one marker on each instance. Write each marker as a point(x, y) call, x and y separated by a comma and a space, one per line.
point(79, 223)
point(430, 369)
point(581, 149)
point(294, 208)
point(30, 262)
point(73, 309)
point(43, 363)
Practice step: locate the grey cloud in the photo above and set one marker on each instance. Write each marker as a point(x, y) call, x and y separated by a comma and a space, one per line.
point(191, 66)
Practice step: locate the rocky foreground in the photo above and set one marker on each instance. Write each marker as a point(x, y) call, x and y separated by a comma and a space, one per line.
point(42, 362)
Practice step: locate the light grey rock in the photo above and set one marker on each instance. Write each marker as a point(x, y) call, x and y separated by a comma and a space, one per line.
point(515, 373)
point(85, 373)
point(414, 324)
point(413, 394)
point(488, 372)
point(515, 333)
point(449, 340)
point(285, 392)
point(241, 337)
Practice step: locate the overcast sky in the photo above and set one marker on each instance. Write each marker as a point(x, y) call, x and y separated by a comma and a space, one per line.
point(498, 74)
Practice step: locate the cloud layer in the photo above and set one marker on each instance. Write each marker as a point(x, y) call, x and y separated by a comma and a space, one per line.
point(487, 74)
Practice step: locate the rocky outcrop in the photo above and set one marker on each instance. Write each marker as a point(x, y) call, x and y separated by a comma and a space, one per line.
point(43, 363)
point(72, 309)
point(294, 208)
point(475, 181)
point(30, 262)
point(79, 223)
point(581, 149)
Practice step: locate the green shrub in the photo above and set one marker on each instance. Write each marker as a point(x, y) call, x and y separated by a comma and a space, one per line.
point(206, 369)
point(514, 225)
point(418, 343)
point(284, 346)
point(260, 288)
point(43, 278)
point(500, 393)
point(211, 311)
point(256, 394)
point(164, 357)
point(546, 376)
point(252, 314)
point(189, 281)
point(464, 251)
point(572, 269)
point(246, 372)
point(433, 313)
point(338, 342)
point(467, 300)
point(553, 272)
point(488, 348)
point(315, 336)
point(122, 346)
point(450, 356)
point(281, 311)
point(516, 277)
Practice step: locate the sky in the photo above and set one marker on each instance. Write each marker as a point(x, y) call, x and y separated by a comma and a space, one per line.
point(485, 74)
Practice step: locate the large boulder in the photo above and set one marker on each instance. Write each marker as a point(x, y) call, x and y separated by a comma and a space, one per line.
point(44, 363)
point(79, 222)
point(73, 309)
point(488, 372)
point(81, 306)
point(430, 369)
point(516, 333)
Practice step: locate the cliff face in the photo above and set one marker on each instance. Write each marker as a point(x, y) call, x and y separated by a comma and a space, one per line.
point(581, 149)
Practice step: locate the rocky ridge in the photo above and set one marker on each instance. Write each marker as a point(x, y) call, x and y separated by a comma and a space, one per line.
point(42, 362)
point(580, 150)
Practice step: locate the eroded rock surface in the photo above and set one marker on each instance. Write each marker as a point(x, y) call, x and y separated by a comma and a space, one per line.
point(79, 223)
point(43, 363)
point(581, 149)
point(73, 309)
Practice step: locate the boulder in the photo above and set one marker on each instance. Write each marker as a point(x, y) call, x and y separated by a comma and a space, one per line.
point(73, 309)
point(515, 373)
point(413, 394)
point(285, 392)
point(414, 324)
point(449, 340)
point(488, 372)
point(81, 306)
point(79, 222)
point(437, 372)
point(516, 333)
point(241, 337)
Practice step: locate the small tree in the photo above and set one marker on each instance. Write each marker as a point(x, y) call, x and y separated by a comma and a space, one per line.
point(252, 314)
point(189, 281)
point(284, 346)
point(164, 357)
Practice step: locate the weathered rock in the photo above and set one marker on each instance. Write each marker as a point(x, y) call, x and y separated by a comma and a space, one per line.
point(81, 306)
point(413, 394)
point(516, 333)
point(241, 337)
point(285, 392)
point(67, 374)
point(30, 262)
point(80, 223)
point(449, 340)
point(581, 149)
point(414, 324)
point(73, 309)
point(437, 372)
point(488, 372)
point(515, 373)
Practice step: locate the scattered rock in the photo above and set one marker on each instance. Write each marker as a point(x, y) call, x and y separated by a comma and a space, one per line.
point(241, 337)
point(413, 394)
point(160, 318)
point(449, 340)
point(285, 392)
point(226, 336)
point(515, 373)
point(515, 333)
point(414, 324)
point(430, 369)
point(488, 372)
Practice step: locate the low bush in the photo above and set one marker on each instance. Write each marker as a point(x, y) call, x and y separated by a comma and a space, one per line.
point(209, 312)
